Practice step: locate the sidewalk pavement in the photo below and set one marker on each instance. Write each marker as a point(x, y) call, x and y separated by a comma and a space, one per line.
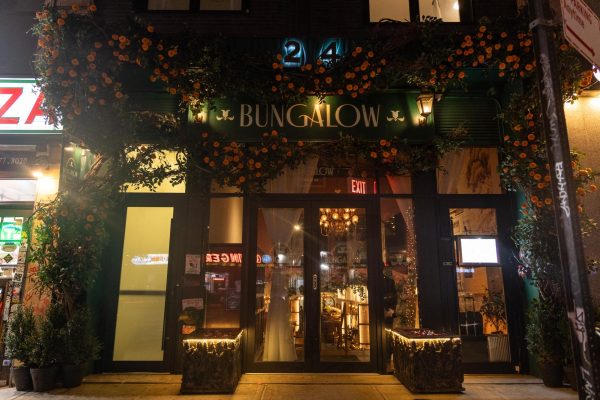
point(297, 387)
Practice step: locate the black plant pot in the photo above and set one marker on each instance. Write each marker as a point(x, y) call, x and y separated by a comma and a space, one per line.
point(552, 374)
point(44, 379)
point(21, 378)
point(569, 371)
point(72, 375)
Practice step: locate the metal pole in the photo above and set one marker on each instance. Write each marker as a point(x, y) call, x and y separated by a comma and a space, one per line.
point(586, 352)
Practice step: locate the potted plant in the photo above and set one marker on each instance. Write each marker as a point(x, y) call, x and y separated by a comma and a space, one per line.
point(79, 347)
point(493, 310)
point(45, 350)
point(546, 331)
point(20, 338)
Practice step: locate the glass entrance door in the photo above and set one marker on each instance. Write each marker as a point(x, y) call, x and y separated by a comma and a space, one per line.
point(311, 283)
point(344, 328)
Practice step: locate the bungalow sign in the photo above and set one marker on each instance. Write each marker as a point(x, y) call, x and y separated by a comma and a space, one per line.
point(385, 115)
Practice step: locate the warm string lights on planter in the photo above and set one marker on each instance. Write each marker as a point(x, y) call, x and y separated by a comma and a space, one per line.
point(426, 361)
point(212, 361)
point(337, 220)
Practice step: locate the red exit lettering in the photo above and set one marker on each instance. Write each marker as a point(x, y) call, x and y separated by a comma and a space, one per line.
point(359, 187)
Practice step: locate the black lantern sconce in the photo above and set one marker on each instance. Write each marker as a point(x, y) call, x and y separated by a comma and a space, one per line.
point(425, 106)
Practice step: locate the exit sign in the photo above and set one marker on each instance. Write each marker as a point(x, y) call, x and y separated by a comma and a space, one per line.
point(358, 186)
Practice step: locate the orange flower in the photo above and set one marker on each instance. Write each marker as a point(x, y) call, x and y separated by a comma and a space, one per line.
point(358, 50)
point(118, 95)
point(92, 8)
point(548, 201)
point(373, 154)
point(522, 155)
point(461, 75)
point(60, 22)
point(150, 28)
point(502, 66)
point(92, 88)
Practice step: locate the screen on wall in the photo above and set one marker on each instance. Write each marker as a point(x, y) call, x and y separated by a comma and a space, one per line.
point(477, 250)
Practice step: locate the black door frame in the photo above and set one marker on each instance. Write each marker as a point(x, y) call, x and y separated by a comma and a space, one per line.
point(111, 282)
point(311, 204)
point(512, 284)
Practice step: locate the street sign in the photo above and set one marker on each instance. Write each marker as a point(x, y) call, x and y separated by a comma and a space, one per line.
point(582, 29)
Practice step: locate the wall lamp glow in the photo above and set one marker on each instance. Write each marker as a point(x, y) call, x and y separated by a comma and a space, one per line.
point(596, 71)
point(425, 106)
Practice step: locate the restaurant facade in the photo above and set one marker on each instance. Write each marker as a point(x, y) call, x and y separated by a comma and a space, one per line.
point(314, 268)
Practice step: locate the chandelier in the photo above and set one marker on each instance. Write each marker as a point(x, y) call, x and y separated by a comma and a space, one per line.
point(337, 220)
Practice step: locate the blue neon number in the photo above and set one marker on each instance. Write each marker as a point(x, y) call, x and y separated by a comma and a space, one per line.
point(330, 51)
point(293, 53)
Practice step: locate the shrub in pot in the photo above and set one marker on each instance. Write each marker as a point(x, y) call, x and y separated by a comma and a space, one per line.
point(79, 347)
point(45, 351)
point(493, 309)
point(546, 332)
point(20, 339)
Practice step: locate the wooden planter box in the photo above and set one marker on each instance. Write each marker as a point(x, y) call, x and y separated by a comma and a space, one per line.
point(212, 361)
point(426, 361)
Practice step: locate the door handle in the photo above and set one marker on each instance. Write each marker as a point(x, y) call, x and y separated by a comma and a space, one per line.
point(314, 281)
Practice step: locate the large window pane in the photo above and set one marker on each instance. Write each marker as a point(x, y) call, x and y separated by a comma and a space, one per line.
point(142, 289)
point(168, 4)
point(448, 10)
point(163, 157)
point(220, 5)
point(399, 264)
point(472, 170)
point(392, 9)
point(223, 263)
point(279, 312)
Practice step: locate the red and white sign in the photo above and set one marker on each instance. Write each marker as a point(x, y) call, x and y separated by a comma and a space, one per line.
point(582, 28)
point(358, 186)
point(20, 108)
